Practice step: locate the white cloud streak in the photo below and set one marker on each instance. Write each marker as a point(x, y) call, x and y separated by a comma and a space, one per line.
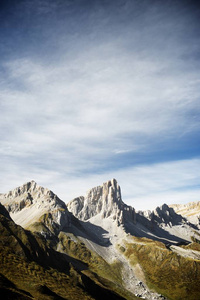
point(143, 187)
point(115, 90)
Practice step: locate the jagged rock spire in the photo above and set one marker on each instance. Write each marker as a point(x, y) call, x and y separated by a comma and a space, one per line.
point(102, 200)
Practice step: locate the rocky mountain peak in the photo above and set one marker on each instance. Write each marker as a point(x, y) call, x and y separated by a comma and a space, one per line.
point(104, 200)
point(190, 210)
point(28, 194)
point(28, 204)
point(163, 215)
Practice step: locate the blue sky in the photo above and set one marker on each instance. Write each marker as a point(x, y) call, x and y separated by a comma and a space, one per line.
point(94, 90)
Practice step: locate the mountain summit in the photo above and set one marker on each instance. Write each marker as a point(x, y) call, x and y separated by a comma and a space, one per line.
point(31, 203)
point(105, 201)
point(189, 210)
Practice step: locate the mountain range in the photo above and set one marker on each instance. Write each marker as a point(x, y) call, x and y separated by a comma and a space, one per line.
point(96, 247)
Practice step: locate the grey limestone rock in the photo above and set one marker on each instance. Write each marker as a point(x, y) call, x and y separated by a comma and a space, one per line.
point(163, 215)
point(105, 201)
point(41, 203)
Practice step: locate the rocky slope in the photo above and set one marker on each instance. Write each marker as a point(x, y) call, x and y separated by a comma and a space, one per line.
point(163, 215)
point(31, 203)
point(168, 226)
point(191, 211)
point(31, 269)
point(103, 206)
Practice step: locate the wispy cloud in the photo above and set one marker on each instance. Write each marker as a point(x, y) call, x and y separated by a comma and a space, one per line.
point(110, 88)
point(143, 187)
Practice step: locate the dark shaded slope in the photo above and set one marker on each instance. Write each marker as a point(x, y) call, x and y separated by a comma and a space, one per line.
point(9, 291)
point(31, 268)
point(4, 212)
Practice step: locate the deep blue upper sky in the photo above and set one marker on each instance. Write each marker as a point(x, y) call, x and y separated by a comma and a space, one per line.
point(91, 90)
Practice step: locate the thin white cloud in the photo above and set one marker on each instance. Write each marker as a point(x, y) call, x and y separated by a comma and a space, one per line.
point(143, 187)
point(118, 87)
point(87, 119)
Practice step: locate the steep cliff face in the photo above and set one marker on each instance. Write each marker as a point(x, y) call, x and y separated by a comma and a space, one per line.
point(105, 201)
point(31, 203)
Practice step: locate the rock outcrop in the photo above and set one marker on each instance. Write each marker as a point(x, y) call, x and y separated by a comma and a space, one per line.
point(164, 215)
point(190, 210)
point(105, 201)
point(31, 203)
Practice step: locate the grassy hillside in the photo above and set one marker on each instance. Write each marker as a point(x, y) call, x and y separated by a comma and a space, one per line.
point(30, 268)
point(97, 268)
point(175, 276)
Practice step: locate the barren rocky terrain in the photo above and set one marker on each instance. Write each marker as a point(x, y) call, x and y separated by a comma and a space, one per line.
point(128, 253)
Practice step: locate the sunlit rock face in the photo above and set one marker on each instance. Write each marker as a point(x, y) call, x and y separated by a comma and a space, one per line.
point(104, 200)
point(29, 202)
point(189, 210)
point(28, 194)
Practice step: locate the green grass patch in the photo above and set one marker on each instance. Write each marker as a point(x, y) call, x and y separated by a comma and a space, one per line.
point(31, 265)
point(110, 275)
point(166, 272)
